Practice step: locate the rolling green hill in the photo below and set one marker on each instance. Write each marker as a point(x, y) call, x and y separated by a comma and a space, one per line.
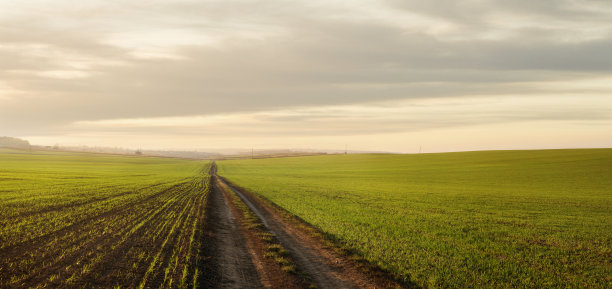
point(487, 219)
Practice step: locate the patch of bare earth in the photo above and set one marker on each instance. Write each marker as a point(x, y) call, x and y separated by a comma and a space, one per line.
point(225, 260)
point(259, 242)
point(325, 263)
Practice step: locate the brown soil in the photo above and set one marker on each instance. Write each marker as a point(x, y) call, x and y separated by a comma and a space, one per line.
point(316, 258)
point(270, 271)
point(226, 261)
point(233, 253)
point(28, 246)
point(83, 245)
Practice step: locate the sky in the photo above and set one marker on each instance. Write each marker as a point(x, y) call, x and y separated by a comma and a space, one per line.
point(396, 75)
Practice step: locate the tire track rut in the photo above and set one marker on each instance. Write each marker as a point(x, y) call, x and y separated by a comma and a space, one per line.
point(227, 261)
point(307, 259)
point(326, 271)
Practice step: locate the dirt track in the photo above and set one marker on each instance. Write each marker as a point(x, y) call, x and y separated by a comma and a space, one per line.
point(307, 258)
point(227, 262)
point(325, 268)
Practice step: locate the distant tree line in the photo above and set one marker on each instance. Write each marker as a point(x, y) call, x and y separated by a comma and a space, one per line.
point(12, 142)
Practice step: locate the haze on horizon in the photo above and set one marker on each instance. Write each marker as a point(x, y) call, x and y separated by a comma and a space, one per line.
point(376, 75)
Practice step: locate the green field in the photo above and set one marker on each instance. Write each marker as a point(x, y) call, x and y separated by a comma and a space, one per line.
point(513, 219)
point(93, 220)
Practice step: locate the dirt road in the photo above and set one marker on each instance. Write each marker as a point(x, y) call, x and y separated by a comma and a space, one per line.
point(324, 267)
point(227, 262)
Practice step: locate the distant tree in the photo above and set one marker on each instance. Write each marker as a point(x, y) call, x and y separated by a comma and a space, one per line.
point(138, 152)
point(12, 142)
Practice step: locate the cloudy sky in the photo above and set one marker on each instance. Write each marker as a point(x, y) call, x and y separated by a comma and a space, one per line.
point(374, 75)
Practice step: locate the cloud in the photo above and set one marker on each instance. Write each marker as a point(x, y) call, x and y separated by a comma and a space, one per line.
point(372, 119)
point(105, 61)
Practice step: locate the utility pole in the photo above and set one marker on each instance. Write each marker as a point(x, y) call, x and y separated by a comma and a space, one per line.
point(345, 149)
point(420, 149)
point(252, 153)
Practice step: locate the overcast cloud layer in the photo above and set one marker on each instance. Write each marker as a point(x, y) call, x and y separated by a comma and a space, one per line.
point(308, 73)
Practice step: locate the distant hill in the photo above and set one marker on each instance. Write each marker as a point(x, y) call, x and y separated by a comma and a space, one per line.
point(127, 151)
point(12, 142)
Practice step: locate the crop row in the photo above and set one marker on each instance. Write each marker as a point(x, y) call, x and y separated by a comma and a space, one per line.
point(123, 232)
